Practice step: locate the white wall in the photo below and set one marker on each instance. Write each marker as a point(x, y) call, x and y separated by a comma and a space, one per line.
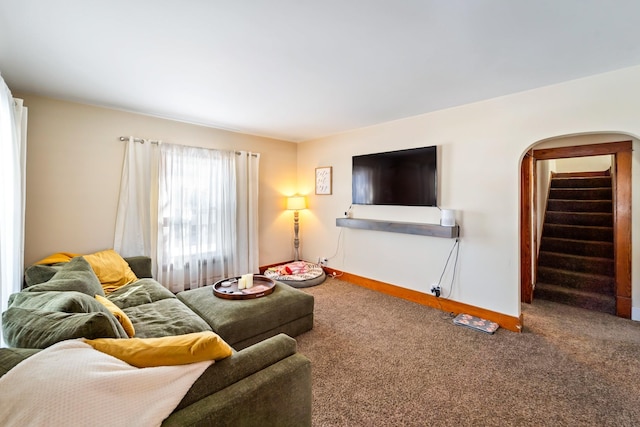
point(481, 146)
point(543, 172)
point(584, 164)
point(74, 163)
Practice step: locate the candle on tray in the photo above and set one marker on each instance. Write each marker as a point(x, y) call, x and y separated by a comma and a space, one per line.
point(248, 280)
point(241, 283)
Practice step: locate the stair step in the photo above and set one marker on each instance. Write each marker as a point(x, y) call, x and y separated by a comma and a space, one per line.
point(583, 281)
point(576, 298)
point(580, 218)
point(563, 205)
point(577, 247)
point(581, 182)
point(578, 232)
point(601, 193)
point(606, 173)
point(581, 264)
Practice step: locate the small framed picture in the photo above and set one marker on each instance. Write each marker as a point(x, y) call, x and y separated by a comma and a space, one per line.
point(323, 180)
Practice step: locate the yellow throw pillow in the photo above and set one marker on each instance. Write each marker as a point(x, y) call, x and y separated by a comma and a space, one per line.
point(112, 270)
point(119, 314)
point(165, 351)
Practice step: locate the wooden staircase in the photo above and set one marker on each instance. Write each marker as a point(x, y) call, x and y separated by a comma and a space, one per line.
point(575, 261)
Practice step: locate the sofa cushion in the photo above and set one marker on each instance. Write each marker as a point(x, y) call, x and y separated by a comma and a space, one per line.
point(143, 291)
point(10, 357)
point(140, 265)
point(29, 328)
point(64, 301)
point(120, 316)
point(165, 317)
point(244, 363)
point(165, 351)
point(37, 273)
point(112, 270)
point(76, 275)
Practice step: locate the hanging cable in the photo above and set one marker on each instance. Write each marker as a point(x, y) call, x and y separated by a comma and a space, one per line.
point(455, 246)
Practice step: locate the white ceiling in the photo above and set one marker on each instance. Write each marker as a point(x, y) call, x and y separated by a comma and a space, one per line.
point(301, 69)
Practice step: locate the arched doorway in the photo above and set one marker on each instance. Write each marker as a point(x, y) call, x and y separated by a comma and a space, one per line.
point(621, 152)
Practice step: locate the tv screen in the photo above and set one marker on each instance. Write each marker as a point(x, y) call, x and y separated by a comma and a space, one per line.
point(403, 178)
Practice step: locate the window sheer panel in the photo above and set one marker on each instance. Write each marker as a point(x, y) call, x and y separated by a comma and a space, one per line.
point(13, 141)
point(135, 230)
point(197, 210)
point(247, 172)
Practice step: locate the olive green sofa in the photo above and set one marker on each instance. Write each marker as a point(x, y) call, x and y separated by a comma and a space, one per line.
point(264, 384)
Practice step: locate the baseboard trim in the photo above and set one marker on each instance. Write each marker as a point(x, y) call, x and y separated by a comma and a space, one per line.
point(507, 322)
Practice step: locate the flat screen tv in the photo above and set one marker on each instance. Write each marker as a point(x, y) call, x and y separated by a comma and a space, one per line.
point(402, 178)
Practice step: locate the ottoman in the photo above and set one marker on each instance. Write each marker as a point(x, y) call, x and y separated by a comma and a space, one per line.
point(242, 323)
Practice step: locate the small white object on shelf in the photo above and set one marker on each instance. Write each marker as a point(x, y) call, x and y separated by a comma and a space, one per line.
point(448, 217)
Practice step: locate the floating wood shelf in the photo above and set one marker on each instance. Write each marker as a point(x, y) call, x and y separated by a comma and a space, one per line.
point(422, 229)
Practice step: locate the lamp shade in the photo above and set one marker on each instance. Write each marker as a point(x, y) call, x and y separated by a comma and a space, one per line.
point(296, 203)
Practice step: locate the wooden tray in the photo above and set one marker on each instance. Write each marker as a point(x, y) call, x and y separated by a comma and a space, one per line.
point(262, 286)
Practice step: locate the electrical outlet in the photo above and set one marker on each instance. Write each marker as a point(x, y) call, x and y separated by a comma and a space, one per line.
point(323, 261)
point(435, 290)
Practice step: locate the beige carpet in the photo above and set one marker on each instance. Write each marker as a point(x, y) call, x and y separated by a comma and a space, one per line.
point(383, 361)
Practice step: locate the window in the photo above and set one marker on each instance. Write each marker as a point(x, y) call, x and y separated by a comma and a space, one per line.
point(197, 208)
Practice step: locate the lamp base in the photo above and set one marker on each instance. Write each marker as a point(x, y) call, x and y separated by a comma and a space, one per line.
point(296, 240)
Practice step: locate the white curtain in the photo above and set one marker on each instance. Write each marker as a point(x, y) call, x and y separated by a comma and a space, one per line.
point(13, 146)
point(194, 211)
point(247, 167)
point(136, 224)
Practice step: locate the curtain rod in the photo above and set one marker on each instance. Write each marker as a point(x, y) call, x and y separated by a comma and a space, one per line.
point(140, 140)
point(151, 141)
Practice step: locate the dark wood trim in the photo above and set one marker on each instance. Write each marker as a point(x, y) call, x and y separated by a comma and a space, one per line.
point(526, 230)
point(507, 322)
point(623, 307)
point(622, 233)
point(582, 150)
point(622, 152)
point(534, 221)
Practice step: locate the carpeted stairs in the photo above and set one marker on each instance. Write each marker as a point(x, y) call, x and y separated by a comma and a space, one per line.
point(575, 262)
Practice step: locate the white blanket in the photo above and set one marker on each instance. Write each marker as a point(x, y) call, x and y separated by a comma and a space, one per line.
point(71, 384)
